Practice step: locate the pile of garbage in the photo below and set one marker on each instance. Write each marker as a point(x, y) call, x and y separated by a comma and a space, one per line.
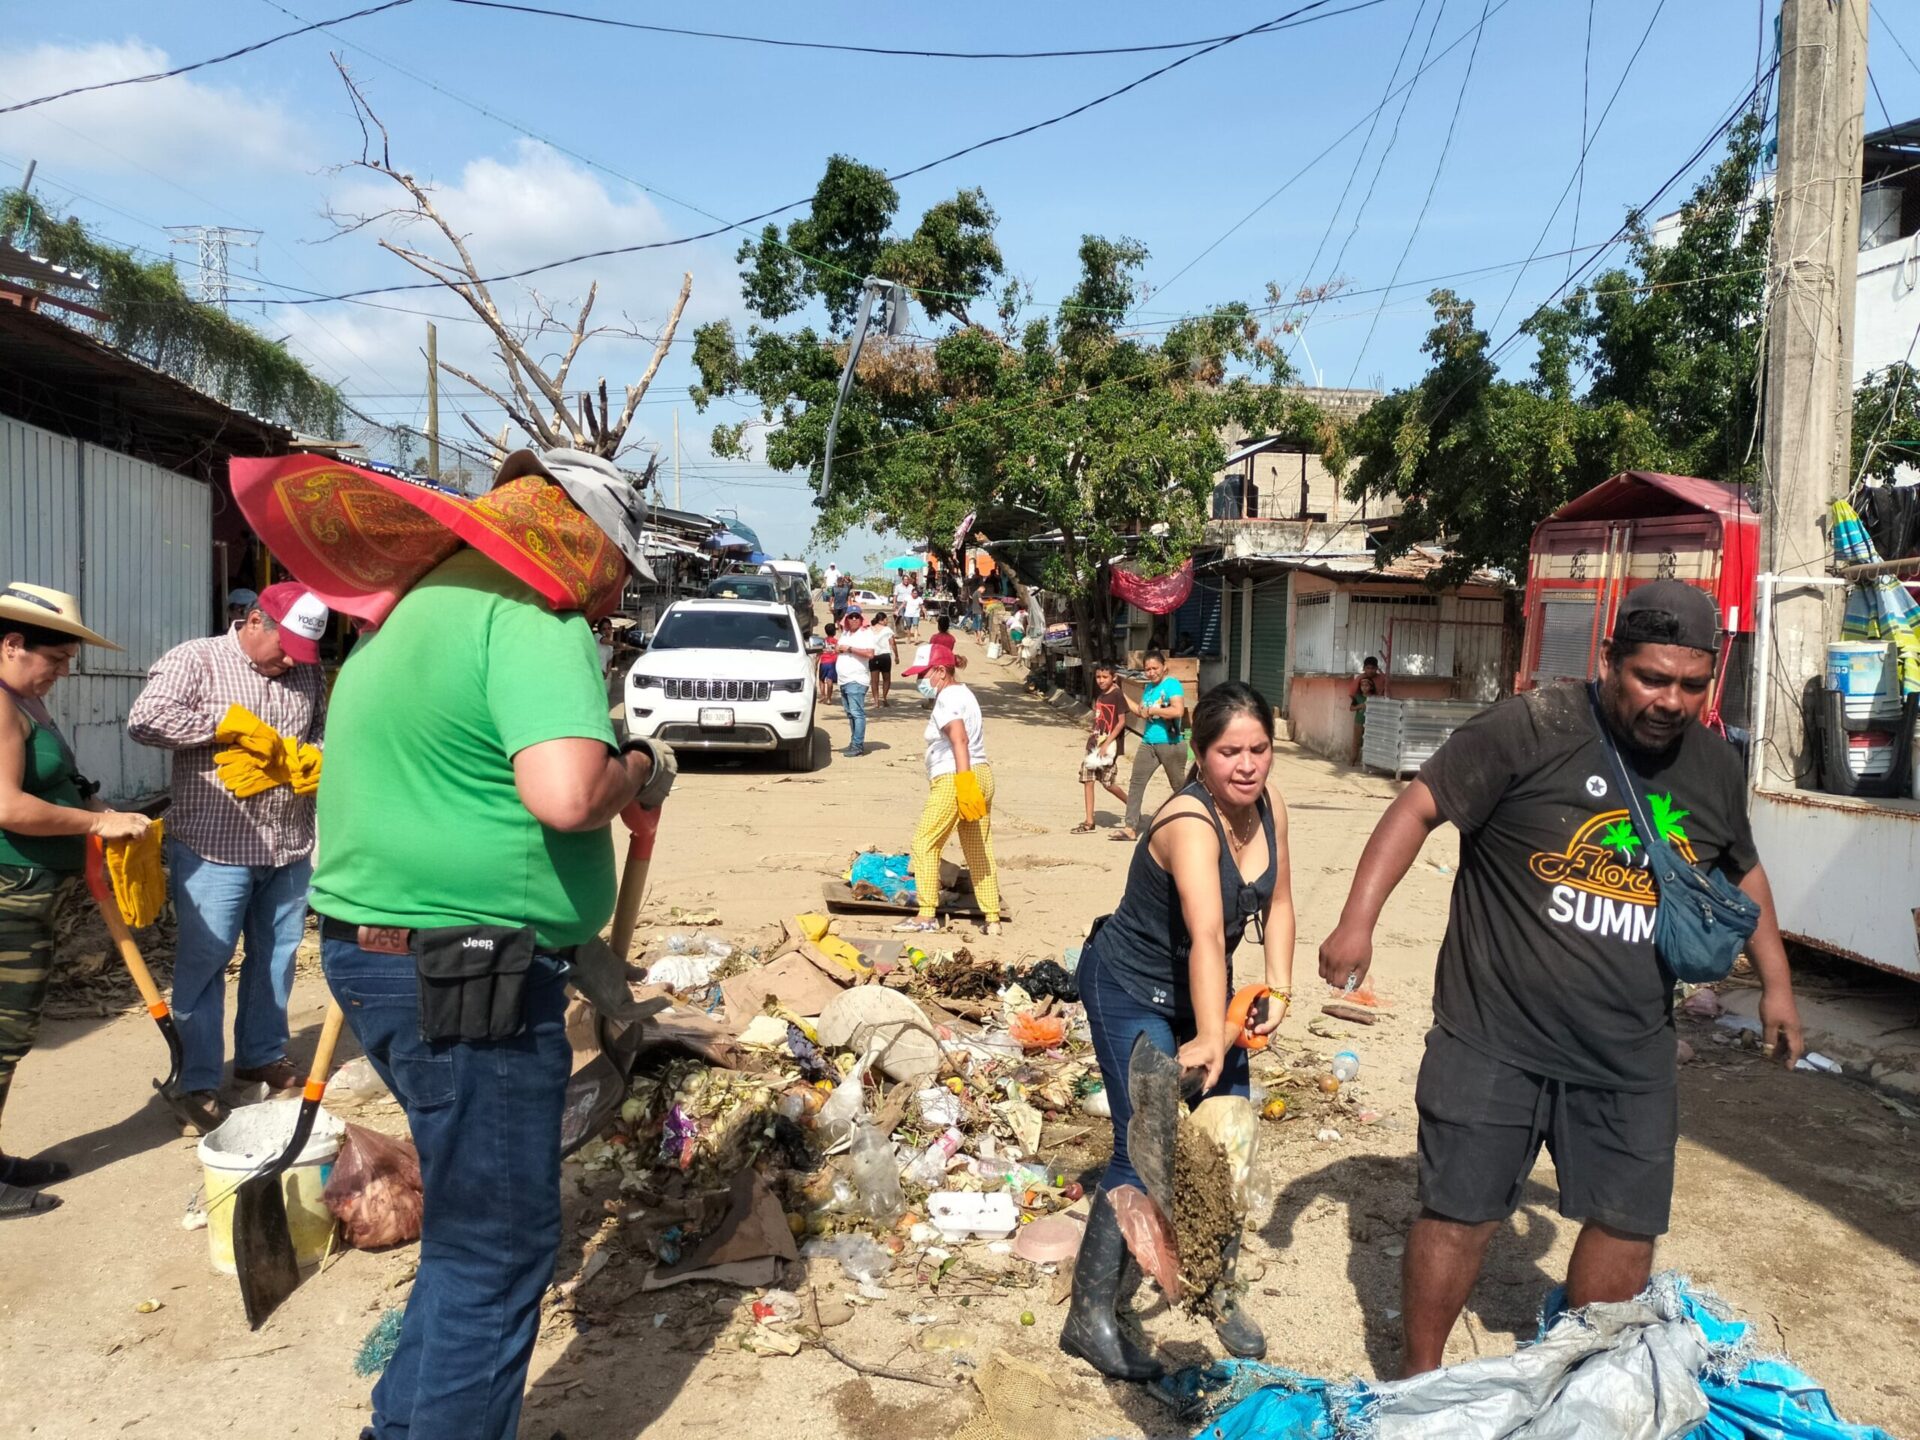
point(854, 1100)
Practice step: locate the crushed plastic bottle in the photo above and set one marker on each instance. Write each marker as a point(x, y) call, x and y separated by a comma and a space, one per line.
point(931, 1165)
point(876, 1174)
point(1346, 1065)
point(836, 1118)
point(679, 945)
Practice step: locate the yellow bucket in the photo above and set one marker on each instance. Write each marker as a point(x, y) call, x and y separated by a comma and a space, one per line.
point(251, 1136)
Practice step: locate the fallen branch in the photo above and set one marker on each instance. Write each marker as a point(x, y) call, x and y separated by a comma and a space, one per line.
point(881, 1372)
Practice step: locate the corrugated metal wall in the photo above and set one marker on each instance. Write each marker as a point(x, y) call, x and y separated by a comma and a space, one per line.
point(1267, 622)
point(135, 542)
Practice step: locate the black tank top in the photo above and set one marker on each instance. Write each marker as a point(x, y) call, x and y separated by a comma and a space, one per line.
point(1144, 944)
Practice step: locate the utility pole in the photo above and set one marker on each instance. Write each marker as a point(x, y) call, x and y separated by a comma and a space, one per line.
point(676, 457)
point(433, 401)
point(1809, 375)
point(215, 285)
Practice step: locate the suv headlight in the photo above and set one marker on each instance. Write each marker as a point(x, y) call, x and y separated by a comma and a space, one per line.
point(646, 682)
point(792, 687)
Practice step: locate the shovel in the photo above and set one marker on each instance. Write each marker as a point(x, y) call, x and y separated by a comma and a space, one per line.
point(263, 1253)
point(101, 884)
point(644, 825)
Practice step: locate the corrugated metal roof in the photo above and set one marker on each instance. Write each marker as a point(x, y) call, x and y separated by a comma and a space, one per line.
point(1415, 566)
point(1628, 492)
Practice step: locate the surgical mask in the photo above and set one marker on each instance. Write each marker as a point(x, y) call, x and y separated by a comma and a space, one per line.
point(927, 692)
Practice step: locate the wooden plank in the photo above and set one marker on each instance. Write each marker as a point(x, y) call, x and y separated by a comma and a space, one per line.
point(958, 903)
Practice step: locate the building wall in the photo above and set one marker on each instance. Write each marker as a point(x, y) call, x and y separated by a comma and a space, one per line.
point(135, 543)
point(1319, 717)
point(1886, 305)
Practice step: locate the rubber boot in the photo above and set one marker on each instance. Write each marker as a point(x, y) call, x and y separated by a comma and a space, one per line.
point(1236, 1329)
point(1093, 1330)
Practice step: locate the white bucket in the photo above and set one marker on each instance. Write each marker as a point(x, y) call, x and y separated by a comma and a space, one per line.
point(1858, 670)
point(251, 1136)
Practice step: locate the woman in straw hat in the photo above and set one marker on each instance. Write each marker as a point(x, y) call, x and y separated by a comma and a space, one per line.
point(47, 810)
point(959, 788)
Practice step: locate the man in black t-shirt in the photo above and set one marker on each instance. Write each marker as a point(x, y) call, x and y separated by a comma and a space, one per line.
point(1553, 1013)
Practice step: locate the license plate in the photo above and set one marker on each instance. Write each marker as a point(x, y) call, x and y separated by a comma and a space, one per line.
point(716, 717)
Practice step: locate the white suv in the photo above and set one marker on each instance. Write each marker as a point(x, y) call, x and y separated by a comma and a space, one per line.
point(725, 675)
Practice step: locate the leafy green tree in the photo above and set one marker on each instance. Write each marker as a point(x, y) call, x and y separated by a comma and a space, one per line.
point(1886, 423)
point(1653, 365)
point(1083, 439)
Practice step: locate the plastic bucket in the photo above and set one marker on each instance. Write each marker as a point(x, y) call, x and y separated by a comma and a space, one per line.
point(1857, 671)
point(251, 1136)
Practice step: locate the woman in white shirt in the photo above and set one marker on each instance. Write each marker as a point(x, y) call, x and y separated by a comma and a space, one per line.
point(959, 790)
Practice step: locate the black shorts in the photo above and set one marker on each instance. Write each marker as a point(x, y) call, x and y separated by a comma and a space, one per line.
point(1483, 1121)
point(881, 665)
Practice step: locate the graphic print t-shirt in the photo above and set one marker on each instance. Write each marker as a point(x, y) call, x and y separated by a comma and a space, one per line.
point(1548, 961)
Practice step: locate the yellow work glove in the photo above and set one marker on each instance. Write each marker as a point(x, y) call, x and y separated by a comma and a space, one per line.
point(303, 766)
point(967, 797)
point(244, 730)
point(245, 774)
point(139, 882)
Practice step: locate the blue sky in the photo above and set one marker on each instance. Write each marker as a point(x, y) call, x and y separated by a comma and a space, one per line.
point(646, 137)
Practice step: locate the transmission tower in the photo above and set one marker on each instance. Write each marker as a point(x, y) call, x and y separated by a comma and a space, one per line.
point(213, 241)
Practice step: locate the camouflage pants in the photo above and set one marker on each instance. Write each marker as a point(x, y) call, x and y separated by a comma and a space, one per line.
point(27, 900)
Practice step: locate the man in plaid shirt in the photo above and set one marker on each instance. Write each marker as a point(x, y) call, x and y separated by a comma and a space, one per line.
point(244, 715)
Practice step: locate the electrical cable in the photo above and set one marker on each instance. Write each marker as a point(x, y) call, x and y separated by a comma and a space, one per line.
point(1580, 170)
point(200, 64)
point(1446, 148)
point(1880, 18)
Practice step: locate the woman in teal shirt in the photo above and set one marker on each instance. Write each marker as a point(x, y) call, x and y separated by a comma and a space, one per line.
point(46, 813)
point(1163, 744)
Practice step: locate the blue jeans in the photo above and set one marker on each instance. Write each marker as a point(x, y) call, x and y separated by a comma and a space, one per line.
point(1115, 1017)
point(486, 1120)
point(854, 699)
point(217, 905)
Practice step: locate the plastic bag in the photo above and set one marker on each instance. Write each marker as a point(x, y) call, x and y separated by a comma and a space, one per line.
point(1036, 1032)
point(1149, 1237)
point(374, 1191)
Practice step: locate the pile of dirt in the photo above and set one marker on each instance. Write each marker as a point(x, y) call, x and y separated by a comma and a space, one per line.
point(964, 978)
point(1204, 1215)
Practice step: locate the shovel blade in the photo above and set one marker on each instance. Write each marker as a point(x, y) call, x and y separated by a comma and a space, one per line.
point(263, 1253)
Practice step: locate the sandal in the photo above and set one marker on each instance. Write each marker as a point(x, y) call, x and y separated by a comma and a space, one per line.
point(31, 1174)
point(918, 925)
point(15, 1202)
point(991, 927)
point(1125, 832)
point(1082, 829)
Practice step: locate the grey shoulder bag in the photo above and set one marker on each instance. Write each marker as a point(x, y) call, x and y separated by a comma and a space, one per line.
point(1701, 922)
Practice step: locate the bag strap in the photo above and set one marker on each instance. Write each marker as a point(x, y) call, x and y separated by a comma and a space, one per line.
point(1656, 843)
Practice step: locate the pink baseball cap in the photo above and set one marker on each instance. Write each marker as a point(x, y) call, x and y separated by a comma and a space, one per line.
point(302, 617)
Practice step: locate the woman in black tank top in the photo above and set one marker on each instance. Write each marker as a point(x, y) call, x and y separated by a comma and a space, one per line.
point(1211, 866)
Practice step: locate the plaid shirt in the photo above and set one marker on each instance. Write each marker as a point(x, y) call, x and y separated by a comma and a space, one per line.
point(187, 694)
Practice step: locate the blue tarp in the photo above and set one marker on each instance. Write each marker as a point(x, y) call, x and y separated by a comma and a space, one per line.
point(1746, 1397)
point(891, 875)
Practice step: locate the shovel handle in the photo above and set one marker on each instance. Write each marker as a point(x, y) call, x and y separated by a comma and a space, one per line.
point(101, 884)
point(323, 1052)
point(645, 826)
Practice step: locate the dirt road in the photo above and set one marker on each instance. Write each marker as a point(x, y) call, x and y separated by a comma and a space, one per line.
point(1798, 1196)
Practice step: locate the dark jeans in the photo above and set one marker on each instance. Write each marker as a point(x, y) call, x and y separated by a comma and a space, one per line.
point(486, 1120)
point(1115, 1017)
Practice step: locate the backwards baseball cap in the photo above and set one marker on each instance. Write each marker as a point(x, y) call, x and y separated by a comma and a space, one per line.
point(302, 617)
point(1669, 612)
point(242, 597)
point(596, 485)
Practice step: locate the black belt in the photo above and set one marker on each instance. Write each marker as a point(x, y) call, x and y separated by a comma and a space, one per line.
point(390, 939)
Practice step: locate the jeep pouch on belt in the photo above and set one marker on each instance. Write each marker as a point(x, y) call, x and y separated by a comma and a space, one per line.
point(473, 981)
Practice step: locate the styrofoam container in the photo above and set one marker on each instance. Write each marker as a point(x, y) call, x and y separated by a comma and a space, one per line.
point(958, 1214)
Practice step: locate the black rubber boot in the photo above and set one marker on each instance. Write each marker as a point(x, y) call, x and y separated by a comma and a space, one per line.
point(1093, 1330)
point(1236, 1329)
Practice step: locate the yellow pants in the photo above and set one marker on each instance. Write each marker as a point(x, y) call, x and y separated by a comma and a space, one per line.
point(938, 821)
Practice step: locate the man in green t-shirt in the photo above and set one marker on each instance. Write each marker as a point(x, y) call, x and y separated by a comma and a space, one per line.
point(472, 774)
point(1163, 744)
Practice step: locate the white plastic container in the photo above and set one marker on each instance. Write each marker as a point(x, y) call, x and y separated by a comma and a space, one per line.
point(249, 1138)
point(1859, 671)
point(957, 1214)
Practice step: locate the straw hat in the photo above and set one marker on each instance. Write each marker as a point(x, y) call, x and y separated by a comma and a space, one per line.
point(49, 610)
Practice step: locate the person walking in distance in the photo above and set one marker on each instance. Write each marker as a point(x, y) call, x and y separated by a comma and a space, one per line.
point(959, 790)
point(886, 650)
point(829, 661)
point(1553, 1008)
point(476, 711)
point(1366, 685)
point(1163, 707)
point(853, 672)
point(1106, 742)
point(244, 714)
point(47, 811)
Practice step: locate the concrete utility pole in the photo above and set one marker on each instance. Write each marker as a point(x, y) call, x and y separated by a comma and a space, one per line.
point(676, 457)
point(433, 401)
point(1809, 378)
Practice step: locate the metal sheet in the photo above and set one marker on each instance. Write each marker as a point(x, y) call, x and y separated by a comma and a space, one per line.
point(39, 507)
point(149, 559)
point(1845, 873)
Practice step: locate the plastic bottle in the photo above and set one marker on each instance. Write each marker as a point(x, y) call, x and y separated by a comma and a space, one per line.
point(875, 1174)
point(843, 1108)
point(718, 949)
point(1346, 1065)
point(931, 1165)
point(1014, 1174)
point(678, 945)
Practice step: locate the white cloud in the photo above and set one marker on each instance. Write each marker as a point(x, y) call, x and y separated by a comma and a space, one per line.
point(178, 127)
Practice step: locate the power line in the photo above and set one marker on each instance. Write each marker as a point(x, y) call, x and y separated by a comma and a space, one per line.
point(1880, 19)
point(1446, 148)
point(1580, 169)
point(200, 64)
point(1301, 15)
point(915, 54)
point(1338, 141)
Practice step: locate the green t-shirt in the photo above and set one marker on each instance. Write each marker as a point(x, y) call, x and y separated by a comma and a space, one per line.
point(419, 822)
point(1160, 730)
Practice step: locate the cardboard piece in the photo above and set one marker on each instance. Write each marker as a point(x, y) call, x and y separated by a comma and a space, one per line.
point(796, 983)
point(745, 1249)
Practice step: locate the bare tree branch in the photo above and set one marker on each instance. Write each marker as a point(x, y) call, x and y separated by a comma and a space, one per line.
point(634, 392)
point(529, 420)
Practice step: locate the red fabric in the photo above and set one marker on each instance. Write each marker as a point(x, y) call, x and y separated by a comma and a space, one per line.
point(1157, 597)
point(360, 540)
